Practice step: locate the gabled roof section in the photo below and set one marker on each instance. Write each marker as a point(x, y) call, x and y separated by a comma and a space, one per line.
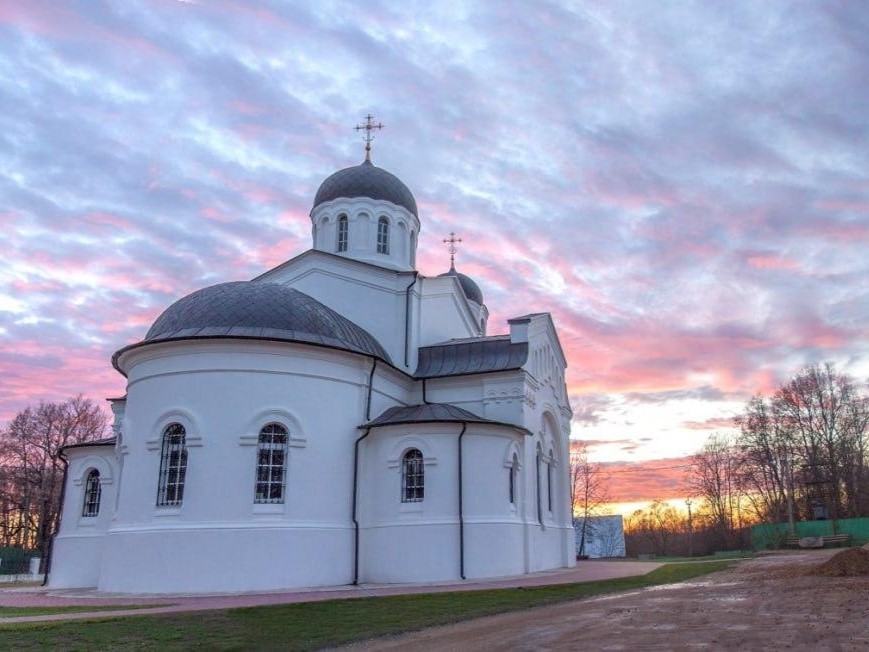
point(475, 355)
point(433, 413)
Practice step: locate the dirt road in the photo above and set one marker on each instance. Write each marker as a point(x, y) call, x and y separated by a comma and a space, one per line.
point(764, 603)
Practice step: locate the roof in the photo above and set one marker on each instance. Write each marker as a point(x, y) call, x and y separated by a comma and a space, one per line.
point(470, 356)
point(108, 441)
point(258, 310)
point(366, 180)
point(432, 413)
point(469, 286)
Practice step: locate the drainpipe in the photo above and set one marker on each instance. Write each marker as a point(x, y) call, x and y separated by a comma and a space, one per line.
point(355, 506)
point(356, 475)
point(461, 507)
point(424, 399)
point(407, 319)
point(50, 550)
point(370, 388)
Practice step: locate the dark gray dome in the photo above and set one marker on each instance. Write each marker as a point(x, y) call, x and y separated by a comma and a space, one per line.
point(366, 180)
point(469, 287)
point(249, 309)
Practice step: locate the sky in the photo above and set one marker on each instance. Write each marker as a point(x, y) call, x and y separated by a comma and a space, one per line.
point(683, 185)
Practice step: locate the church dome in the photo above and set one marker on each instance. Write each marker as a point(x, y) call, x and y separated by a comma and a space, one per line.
point(366, 180)
point(257, 310)
point(469, 287)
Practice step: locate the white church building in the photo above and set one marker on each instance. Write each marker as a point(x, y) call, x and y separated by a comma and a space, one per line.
point(339, 419)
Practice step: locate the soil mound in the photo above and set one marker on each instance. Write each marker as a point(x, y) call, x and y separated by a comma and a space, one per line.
point(852, 562)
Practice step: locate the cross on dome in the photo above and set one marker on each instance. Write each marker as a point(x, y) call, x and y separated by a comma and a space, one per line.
point(369, 126)
point(451, 242)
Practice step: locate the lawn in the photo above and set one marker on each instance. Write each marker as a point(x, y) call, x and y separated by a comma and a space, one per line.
point(11, 612)
point(315, 625)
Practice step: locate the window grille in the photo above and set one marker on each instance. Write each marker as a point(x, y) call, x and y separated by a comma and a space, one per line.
point(271, 466)
point(383, 236)
point(173, 466)
point(343, 228)
point(412, 477)
point(92, 492)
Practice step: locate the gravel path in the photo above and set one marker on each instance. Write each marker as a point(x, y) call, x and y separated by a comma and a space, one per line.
point(764, 603)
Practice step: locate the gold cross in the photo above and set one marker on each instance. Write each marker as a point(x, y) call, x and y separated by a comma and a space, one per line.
point(368, 137)
point(451, 242)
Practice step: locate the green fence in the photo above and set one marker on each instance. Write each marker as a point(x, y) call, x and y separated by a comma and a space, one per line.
point(773, 535)
point(15, 561)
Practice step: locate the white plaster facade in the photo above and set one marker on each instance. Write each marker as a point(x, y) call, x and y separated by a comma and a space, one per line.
point(343, 514)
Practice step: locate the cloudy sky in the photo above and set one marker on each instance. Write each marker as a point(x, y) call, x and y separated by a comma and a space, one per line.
point(683, 185)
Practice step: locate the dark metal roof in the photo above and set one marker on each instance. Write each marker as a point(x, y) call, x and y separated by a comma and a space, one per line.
point(469, 287)
point(366, 180)
point(249, 309)
point(108, 441)
point(470, 356)
point(432, 413)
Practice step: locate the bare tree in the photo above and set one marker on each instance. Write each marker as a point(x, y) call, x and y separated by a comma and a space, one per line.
point(32, 471)
point(589, 490)
point(826, 418)
point(659, 525)
point(714, 477)
point(766, 470)
point(805, 448)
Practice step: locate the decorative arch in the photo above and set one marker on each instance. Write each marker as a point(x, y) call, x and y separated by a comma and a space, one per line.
point(404, 444)
point(90, 463)
point(295, 433)
point(193, 434)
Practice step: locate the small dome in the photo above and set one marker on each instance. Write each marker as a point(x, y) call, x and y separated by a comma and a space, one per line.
point(469, 287)
point(271, 311)
point(366, 180)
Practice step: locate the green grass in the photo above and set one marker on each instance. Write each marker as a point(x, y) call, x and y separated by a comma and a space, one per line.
point(12, 612)
point(315, 625)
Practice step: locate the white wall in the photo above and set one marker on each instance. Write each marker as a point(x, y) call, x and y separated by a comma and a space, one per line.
point(223, 392)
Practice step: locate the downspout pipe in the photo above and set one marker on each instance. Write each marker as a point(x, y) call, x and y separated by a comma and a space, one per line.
point(50, 551)
point(356, 474)
point(461, 506)
point(370, 391)
point(407, 319)
point(356, 505)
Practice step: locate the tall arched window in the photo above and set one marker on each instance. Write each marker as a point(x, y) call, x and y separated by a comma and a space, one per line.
point(92, 492)
point(343, 230)
point(549, 482)
point(173, 466)
point(383, 236)
point(514, 472)
point(271, 465)
point(412, 477)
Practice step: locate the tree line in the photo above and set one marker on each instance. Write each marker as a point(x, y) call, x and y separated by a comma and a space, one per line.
point(800, 454)
point(31, 469)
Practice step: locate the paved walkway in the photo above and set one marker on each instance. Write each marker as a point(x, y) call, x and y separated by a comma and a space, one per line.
point(585, 571)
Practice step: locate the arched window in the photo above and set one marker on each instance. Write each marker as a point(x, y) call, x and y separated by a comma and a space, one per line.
point(343, 230)
point(173, 466)
point(549, 483)
point(514, 472)
point(412, 477)
point(383, 236)
point(92, 491)
point(271, 465)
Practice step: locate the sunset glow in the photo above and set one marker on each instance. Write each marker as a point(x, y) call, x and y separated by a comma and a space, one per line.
point(683, 186)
